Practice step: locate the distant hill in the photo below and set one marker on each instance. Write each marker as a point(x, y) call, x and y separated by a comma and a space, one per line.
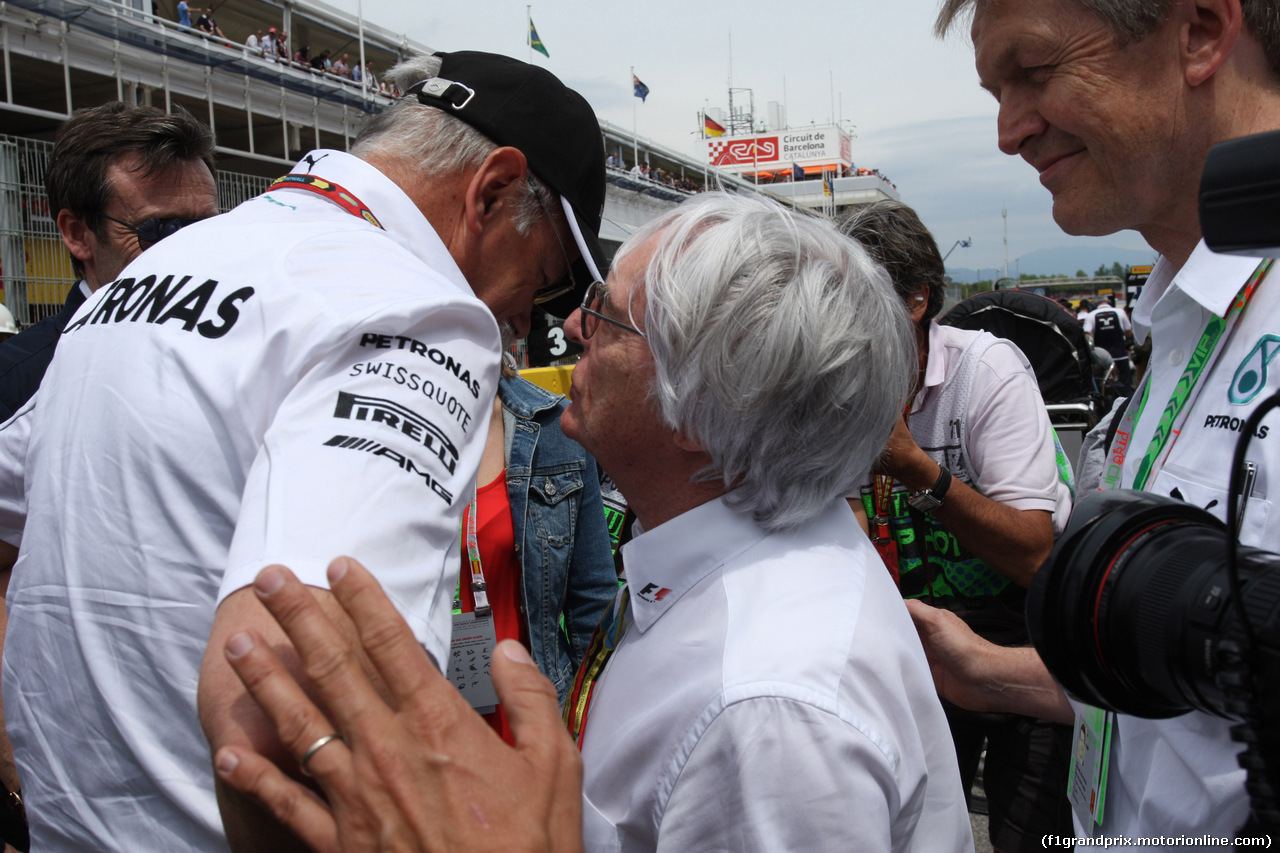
point(1063, 260)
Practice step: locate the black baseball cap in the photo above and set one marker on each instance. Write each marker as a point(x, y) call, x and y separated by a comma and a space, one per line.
point(526, 107)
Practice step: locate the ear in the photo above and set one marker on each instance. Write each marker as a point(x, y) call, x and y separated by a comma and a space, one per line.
point(76, 236)
point(489, 190)
point(917, 305)
point(1209, 31)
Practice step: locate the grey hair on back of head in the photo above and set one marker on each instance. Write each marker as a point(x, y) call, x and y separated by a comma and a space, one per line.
point(779, 346)
point(433, 143)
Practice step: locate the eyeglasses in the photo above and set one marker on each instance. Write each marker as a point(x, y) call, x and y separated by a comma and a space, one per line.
point(558, 288)
point(591, 315)
point(152, 231)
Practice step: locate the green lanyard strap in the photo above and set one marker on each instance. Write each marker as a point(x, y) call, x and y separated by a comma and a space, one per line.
point(1175, 411)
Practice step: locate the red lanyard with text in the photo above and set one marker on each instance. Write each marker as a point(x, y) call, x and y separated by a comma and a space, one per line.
point(335, 193)
point(478, 588)
point(881, 531)
point(1184, 391)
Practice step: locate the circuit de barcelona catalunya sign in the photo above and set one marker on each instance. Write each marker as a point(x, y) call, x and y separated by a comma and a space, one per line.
point(803, 146)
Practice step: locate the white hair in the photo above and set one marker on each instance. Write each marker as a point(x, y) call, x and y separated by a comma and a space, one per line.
point(435, 143)
point(779, 346)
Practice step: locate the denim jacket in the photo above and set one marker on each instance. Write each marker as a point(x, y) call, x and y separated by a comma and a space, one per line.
point(561, 539)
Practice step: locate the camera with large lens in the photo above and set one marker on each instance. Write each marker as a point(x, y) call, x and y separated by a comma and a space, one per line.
point(1133, 610)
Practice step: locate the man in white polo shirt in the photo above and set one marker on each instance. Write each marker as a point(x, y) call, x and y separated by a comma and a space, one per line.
point(305, 376)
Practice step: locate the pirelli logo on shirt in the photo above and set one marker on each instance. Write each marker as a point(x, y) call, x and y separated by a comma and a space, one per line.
point(395, 416)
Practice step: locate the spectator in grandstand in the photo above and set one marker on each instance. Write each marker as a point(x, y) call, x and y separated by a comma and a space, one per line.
point(253, 44)
point(184, 14)
point(611, 161)
point(207, 25)
point(321, 62)
point(735, 709)
point(282, 46)
point(302, 56)
point(340, 66)
point(214, 410)
point(965, 524)
point(269, 44)
point(1111, 330)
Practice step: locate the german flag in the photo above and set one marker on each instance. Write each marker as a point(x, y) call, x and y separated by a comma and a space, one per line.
point(710, 127)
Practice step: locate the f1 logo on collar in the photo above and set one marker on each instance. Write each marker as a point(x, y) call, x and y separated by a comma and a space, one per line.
point(653, 593)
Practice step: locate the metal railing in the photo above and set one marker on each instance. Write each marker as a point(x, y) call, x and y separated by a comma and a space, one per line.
point(34, 266)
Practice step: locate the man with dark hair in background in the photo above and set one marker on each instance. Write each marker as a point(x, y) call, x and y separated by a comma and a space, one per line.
point(963, 508)
point(119, 179)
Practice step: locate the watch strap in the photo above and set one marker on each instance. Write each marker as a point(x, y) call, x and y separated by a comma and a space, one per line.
point(930, 500)
point(940, 488)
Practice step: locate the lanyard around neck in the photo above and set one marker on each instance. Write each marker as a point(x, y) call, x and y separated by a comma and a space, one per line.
point(478, 588)
point(1185, 390)
point(335, 193)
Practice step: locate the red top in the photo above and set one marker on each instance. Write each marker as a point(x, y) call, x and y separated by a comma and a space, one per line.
point(496, 536)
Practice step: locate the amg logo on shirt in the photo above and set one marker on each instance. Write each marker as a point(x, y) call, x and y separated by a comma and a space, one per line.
point(379, 411)
point(153, 300)
point(405, 463)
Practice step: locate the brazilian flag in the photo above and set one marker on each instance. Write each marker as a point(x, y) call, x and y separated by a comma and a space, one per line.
point(535, 42)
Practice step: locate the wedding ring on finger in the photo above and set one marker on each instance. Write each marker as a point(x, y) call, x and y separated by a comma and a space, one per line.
point(320, 744)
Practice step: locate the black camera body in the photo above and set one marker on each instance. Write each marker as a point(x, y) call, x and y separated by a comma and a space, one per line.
point(1133, 610)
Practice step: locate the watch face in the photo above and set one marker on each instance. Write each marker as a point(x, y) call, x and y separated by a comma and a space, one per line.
point(924, 502)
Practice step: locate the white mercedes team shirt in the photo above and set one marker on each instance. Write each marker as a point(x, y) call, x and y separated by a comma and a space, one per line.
point(1179, 777)
point(285, 383)
point(770, 695)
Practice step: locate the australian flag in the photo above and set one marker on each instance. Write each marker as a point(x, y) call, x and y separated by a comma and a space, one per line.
point(642, 91)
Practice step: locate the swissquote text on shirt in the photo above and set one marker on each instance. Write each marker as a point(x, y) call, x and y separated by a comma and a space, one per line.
point(317, 388)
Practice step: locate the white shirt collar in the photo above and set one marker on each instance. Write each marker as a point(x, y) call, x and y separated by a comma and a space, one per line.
point(935, 371)
point(397, 213)
point(1210, 279)
point(664, 563)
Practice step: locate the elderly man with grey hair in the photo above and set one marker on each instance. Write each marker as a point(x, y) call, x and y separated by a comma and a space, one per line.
point(308, 375)
point(758, 685)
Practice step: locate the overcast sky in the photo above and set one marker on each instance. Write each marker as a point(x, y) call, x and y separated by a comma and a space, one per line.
point(914, 101)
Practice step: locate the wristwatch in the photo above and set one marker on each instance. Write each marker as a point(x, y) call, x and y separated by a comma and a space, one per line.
point(928, 500)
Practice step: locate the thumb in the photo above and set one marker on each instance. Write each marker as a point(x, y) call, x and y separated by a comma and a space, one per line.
point(527, 697)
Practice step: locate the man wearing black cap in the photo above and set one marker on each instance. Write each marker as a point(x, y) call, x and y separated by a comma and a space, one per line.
point(307, 376)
